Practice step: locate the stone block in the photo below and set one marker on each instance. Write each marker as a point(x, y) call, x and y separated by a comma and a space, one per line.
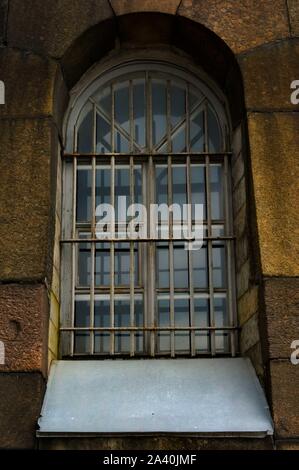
point(3, 20)
point(243, 276)
point(250, 333)
point(24, 314)
point(51, 27)
point(274, 149)
point(239, 196)
point(123, 7)
point(267, 75)
point(237, 169)
point(27, 152)
point(293, 7)
point(242, 252)
point(284, 378)
point(29, 84)
point(247, 305)
point(282, 315)
point(242, 25)
point(20, 404)
point(240, 221)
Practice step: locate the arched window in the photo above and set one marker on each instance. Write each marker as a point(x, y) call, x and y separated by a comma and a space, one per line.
point(152, 133)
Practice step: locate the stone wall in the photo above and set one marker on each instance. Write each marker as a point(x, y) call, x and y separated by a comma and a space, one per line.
point(45, 47)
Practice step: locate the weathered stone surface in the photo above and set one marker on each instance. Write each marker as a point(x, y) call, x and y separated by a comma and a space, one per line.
point(20, 404)
point(237, 169)
point(242, 251)
point(51, 27)
point(239, 196)
point(267, 75)
point(282, 315)
point(155, 443)
point(293, 7)
point(240, 222)
point(3, 19)
point(274, 147)
point(247, 305)
point(249, 333)
point(29, 83)
point(255, 355)
point(27, 151)
point(122, 7)
point(285, 403)
point(24, 327)
point(242, 25)
point(243, 278)
point(287, 445)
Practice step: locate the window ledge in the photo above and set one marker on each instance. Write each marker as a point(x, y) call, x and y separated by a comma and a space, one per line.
point(198, 397)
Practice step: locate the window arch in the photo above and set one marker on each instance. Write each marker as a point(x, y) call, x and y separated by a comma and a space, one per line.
point(156, 134)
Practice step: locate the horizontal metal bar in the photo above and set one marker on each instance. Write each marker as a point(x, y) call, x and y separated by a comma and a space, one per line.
point(146, 154)
point(150, 328)
point(120, 240)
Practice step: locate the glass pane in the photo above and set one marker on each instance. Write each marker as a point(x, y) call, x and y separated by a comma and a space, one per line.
point(213, 132)
point(121, 143)
point(201, 319)
point(217, 193)
point(200, 267)
point(122, 188)
point(181, 316)
point(102, 319)
point(177, 104)
point(159, 101)
point(103, 143)
point(221, 337)
point(197, 132)
point(103, 185)
point(122, 318)
point(137, 185)
point(82, 342)
point(180, 265)
point(162, 265)
point(139, 111)
point(83, 193)
point(219, 265)
point(161, 184)
point(163, 320)
point(194, 98)
point(85, 130)
point(139, 321)
point(103, 100)
point(198, 187)
point(82, 319)
point(84, 262)
point(179, 187)
point(122, 264)
point(121, 105)
point(102, 264)
point(179, 140)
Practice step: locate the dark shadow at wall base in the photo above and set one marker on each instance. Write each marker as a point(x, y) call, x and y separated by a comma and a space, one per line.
point(154, 443)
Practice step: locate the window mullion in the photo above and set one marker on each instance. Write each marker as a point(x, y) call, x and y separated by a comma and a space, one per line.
point(209, 242)
point(112, 227)
point(189, 221)
point(170, 223)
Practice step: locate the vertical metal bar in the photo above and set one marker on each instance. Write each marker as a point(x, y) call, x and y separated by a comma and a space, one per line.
point(209, 242)
point(229, 267)
point(189, 221)
point(170, 223)
point(132, 273)
point(73, 253)
point(112, 226)
point(92, 251)
point(151, 294)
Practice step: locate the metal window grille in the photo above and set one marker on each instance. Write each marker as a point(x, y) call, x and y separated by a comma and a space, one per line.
point(154, 137)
